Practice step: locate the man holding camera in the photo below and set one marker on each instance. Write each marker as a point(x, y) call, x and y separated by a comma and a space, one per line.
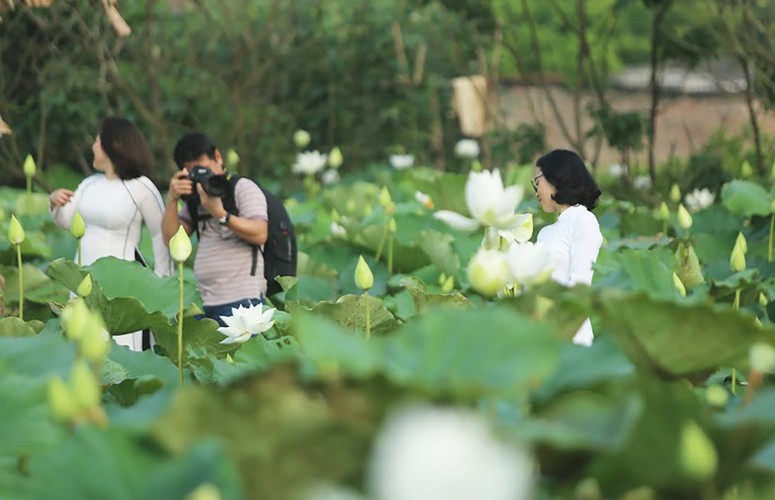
point(229, 271)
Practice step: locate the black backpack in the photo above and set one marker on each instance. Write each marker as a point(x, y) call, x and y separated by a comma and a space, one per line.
point(280, 252)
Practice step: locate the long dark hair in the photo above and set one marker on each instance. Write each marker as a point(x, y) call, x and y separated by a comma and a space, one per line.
point(565, 170)
point(126, 147)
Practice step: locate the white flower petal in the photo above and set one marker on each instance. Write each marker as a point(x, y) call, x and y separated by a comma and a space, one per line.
point(456, 221)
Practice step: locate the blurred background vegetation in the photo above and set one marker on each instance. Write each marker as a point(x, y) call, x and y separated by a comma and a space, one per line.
point(371, 76)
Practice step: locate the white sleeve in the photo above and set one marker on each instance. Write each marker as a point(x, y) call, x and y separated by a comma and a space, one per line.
point(63, 216)
point(585, 245)
point(151, 208)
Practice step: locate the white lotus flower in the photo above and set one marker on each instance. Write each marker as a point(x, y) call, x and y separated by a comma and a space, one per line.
point(427, 453)
point(467, 148)
point(699, 199)
point(521, 231)
point(488, 271)
point(529, 263)
point(245, 322)
point(401, 162)
point(338, 230)
point(309, 162)
point(642, 182)
point(423, 199)
point(488, 202)
point(330, 176)
point(616, 170)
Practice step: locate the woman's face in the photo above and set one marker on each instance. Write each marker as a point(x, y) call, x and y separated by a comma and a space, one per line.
point(544, 191)
point(101, 161)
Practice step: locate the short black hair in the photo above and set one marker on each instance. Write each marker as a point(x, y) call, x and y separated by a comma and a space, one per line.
point(192, 146)
point(126, 147)
point(565, 170)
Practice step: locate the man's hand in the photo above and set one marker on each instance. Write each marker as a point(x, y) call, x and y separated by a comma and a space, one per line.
point(180, 185)
point(212, 204)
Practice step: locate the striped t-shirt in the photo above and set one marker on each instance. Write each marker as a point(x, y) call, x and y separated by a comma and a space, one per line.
point(223, 260)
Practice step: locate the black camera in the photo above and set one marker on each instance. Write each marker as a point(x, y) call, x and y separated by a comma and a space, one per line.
point(213, 184)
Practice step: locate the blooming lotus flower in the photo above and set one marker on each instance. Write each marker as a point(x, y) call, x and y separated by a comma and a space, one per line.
point(488, 271)
point(427, 453)
point(642, 182)
point(15, 231)
point(29, 166)
point(520, 232)
point(364, 278)
point(488, 202)
point(401, 162)
point(699, 199)
point(335, 158)
point(246, 322)
point(684, 217)
point(180, 245)
point(529, 263)
point(309, 162)
point(301, 138)
point(467, 148)
point(78, 226)
point(423, 199)
point(329, 177)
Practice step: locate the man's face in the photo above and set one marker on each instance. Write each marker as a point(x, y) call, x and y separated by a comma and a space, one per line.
point(214, 164)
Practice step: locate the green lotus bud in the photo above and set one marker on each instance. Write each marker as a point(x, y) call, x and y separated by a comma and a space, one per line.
point(364, 279)
point(675, 193)
point(697, 454)
point(232, 158)
point(737, 259)
point(442, 278)
point(84, 289)
point(29, 166)
point(746, 170)
point(763, 300)
point(335, 158)
point(664, 211)
point(488, 271)
point(448, 284)
point(392, 227)
point(61, 401)
point(94, 343)
point(78, 226)
point(301, 138)
point(762, 357)
point(75, 317)
point(384, 197)
point(476, 166)
point(679, 285)
point(335, 216)
point(180, 245)
point(684, 217)
point(716, 396)
point(15, 231)
point(742, 242)
point(86, 390)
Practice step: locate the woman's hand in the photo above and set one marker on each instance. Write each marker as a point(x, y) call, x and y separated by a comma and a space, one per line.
point(60, 197)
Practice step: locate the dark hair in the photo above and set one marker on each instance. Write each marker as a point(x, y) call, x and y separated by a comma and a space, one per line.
point(565, 170)
point(126, 147)
point(192, 146)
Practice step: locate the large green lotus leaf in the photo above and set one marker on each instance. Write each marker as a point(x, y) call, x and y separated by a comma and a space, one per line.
point(145, 363)
point(650, 271)
point(362, 194)
point(583, 421)
point(309, 267)
point(349, 311)
point(31, 204)
point(438, 247)
point(746, 198)
point(15, 327)
point(447, 190)
point(38, 287)
point(407, 255)
point(715, 230)
point(423, 299)
point(639, 221)
point(41, 356)
point(401, 305)
point(254, 356)
point(678, 338)
point(198, 334)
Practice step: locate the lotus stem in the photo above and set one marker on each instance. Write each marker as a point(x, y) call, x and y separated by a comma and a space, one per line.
point(29, 186)
point(382, 241)
point(180, 324)
point(390, 255)
point(79, 252)
point(368, 317)
point(736, 305)
point(21, 281)
point(772, 232)
point(664, 227)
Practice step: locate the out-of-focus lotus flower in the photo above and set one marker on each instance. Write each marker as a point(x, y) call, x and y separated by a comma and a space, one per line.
point(301, 138)
point(642, 182)
point(520, 232)
point(86, 389)
point(529, 263)
point(423, 199)
point(364, 279)
point(78, 226)
point(309, 162)
point(699, 199)
point(338, 231)
point(488, 202)
point(467, 148)
point(427, 453)
point(488, 272)
point(180, 246)
point(716, 396)
point(401, 162)
point(245, 322)
point(29, 166)
point(679, 285)
point(616, 170)
point(335, 158)
point(61, 401)
point(696, 453)
point(675, 193)
point(684, 217)
point(15, 231)
point(232, 158)
point(329, 177)
point(384, 197)
point(762, 357)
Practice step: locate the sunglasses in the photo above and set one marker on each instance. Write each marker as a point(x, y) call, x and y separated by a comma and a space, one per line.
point(534, 182)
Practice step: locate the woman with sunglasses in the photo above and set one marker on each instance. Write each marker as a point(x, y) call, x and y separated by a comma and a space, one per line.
point(564, 186)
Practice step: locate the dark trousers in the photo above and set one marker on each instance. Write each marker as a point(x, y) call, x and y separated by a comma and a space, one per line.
point(215, 312)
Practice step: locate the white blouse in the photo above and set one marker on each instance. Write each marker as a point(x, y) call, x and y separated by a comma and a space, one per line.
point(573, 243)
point(114, 211)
